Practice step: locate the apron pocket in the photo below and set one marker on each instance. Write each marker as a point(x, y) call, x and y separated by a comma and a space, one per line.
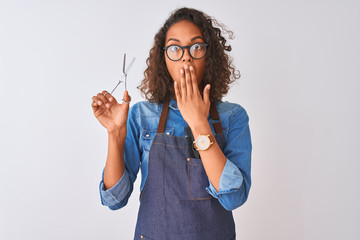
point(198, 180)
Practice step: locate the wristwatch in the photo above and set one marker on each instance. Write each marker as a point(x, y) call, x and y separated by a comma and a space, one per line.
point(203, 142)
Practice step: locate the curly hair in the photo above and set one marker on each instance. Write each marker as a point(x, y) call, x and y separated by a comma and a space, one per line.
point(157, 85)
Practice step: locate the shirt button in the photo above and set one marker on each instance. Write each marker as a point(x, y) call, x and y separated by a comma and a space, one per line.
point(141, 236)
point(167, 133)
point(188, 159)
point(147, 135)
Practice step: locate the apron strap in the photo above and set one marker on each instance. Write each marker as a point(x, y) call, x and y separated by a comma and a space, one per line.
point(214, 114)
point(163, 116)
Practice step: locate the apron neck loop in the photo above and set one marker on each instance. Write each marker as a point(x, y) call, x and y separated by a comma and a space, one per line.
point(213, 114)
point(163, 116)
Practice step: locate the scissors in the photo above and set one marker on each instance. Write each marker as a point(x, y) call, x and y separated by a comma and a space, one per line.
point(125, 72)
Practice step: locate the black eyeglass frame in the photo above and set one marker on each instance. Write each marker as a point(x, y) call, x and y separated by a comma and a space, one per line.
point(188, 48)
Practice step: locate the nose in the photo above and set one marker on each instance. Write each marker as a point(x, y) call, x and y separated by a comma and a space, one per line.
point(186, 57)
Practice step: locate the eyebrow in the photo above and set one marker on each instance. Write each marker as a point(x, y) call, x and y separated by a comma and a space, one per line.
point(197, 38)
point(173, 39)
point(177, 40)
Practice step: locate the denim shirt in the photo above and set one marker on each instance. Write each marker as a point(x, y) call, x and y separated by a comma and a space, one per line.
point(142, 124)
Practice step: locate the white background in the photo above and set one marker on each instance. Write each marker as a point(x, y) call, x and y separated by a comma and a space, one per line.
point(300, 69)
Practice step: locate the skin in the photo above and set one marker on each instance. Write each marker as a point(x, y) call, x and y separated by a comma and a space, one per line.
point(186, 73)
point(184, 33)
point(113, 116)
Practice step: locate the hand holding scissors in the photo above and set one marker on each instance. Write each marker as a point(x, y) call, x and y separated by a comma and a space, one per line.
point(111, 114)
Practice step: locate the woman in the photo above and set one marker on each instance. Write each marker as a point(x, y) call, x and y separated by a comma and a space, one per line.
point(195, 166)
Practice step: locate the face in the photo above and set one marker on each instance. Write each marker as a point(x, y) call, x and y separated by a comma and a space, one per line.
point(184, 33)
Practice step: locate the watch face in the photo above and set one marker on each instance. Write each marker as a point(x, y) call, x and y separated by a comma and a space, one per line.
point(202, 142)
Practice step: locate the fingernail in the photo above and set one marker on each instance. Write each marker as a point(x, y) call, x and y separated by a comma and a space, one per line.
point(110, 99)
point(191, 68)
point(181, 71)
point(99, 102)
point(107, 105)
point(186, 66)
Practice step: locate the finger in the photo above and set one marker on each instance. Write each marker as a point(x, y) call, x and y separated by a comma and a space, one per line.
point(207, 94)
point(182, 84)
point(188, 82)
point(94, 106)
point(126, 96)
point(110, 99)
point(108, 96)
point(177, 92)
point(96, 101)
point(101, 99)
point(126, 100)
point(194, 82)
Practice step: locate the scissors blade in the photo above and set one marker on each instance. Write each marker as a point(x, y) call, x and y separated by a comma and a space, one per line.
point(124, 62)
point(128, 68)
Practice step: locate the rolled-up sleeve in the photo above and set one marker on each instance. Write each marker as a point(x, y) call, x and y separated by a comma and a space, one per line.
point(117, 194)
point(235, 180)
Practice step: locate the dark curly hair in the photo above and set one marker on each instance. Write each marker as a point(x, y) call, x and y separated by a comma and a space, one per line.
point(157, 85)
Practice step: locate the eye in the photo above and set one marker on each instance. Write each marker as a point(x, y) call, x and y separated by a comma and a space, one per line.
point(197, 46)
point(174, 48)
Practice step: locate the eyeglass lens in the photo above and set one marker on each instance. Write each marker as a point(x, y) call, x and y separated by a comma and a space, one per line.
point(175, 52)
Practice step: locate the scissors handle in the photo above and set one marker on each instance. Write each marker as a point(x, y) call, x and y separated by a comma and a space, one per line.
point(115, 87)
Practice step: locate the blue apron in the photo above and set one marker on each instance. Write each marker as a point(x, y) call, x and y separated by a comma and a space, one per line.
point(174, 204)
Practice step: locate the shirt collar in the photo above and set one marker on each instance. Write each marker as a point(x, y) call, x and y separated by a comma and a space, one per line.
point(173, 105)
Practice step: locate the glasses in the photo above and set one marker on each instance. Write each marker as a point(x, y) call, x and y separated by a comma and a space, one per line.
point(176, 52)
